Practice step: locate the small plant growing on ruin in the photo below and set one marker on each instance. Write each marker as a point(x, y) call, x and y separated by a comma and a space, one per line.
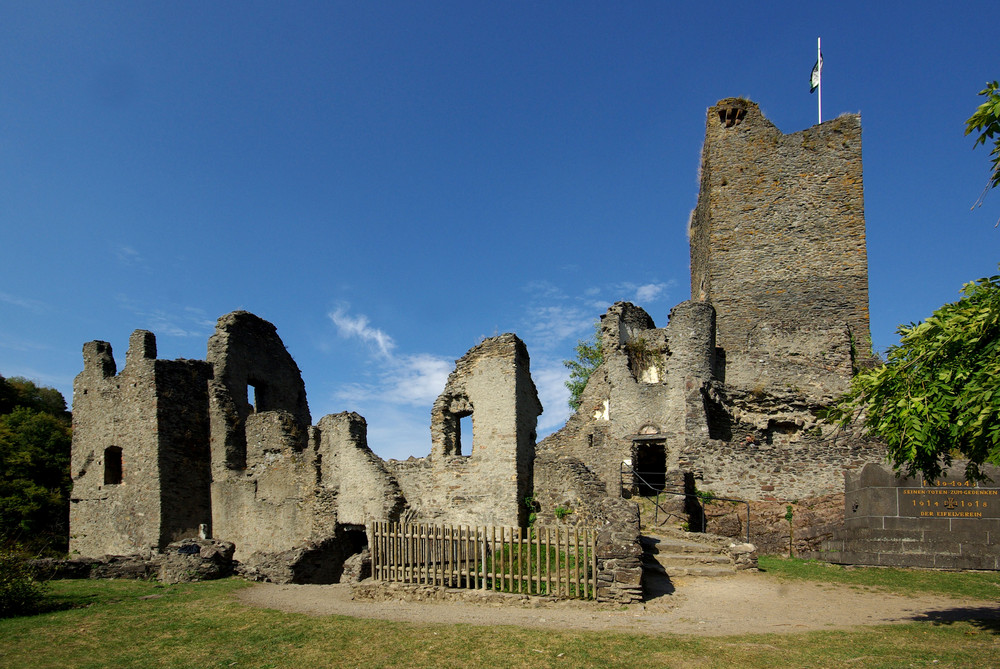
point(562, 511)
point(788, 517)
point(641, 356)
point(533, 507)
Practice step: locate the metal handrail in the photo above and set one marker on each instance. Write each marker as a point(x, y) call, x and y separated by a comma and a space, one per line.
point(672, 490)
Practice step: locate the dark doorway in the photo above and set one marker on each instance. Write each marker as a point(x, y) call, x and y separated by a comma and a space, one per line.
point(650, 467)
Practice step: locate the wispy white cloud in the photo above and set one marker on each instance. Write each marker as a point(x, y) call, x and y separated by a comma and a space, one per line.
point(402, 379)
point(23, 302)
point(418, 379)
point(548, 326)
point(414, 380)
point(397, 401)
point(649, 292)
point(129, 257)
point(550, 381)
point(179, 321)
point(358, 326)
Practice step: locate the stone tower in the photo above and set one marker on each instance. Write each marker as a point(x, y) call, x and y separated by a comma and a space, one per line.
point(778, 248)
point(140, 463)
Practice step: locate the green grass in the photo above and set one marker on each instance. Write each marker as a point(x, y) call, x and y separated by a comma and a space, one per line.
point(200, 625)
point(959, 584)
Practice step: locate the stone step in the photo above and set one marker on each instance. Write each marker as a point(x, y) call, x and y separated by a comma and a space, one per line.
point(675, 556)
point(691, 559)
point(674, 545)
point(708, 572)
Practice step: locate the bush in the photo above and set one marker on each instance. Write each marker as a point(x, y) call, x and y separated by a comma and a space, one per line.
point(19, 591)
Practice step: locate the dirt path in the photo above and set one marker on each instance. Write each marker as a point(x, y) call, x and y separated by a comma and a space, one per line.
point(739, 604)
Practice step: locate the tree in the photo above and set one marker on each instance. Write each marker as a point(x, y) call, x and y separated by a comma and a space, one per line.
point(35, 439)
point(589, 355)
point(986, 122)
point(938, 394)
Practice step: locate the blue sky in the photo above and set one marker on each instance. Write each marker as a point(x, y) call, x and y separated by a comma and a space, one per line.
point(390, 182)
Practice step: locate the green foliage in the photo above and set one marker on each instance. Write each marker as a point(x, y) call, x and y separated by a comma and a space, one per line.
point(561, 512)
point(969, 585)
point(35, 440)
point(123, 623)
point(986, 122)
point(589, 355)
point(938, 394)
point(20, 392)
point(533, 507)
point(19, 591)
point(640, 356)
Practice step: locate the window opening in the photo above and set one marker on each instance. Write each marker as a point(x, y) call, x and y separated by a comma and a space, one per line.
point(252, 397)
point(112, 465)
point(464, 441)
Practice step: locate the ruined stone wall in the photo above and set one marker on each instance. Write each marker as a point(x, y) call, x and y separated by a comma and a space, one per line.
point(766, 446)
point(567, 483)
point(140, 451)
point(778, 247)
point(366, 491)
point(486, 484)
point(646, 393)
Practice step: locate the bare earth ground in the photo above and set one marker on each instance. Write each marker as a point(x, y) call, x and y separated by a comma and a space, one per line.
point(739, 604)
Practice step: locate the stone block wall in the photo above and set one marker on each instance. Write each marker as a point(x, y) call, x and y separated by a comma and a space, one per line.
point(487, 483)
point(646, 393)
point(897, 521)
point(140, 450)
point(778, 247)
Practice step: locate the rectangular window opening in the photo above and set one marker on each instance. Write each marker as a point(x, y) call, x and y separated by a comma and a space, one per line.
point(112, 465)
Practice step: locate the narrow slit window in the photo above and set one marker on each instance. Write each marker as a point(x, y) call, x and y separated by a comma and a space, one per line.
point(112, 465)
point(465, 444)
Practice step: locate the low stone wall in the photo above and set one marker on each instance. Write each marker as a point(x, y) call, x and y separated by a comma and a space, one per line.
point(181, 562)
point(619, 553)
point(813, 521)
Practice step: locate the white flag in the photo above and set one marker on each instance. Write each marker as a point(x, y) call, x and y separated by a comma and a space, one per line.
point(814, 77)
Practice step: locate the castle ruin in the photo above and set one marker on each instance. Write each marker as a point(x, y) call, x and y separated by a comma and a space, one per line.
point(726, 396)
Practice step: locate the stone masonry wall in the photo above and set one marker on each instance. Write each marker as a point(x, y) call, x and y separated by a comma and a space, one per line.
point(140, 450)
point(778, 247)
point(642, 392)
point(492, 383)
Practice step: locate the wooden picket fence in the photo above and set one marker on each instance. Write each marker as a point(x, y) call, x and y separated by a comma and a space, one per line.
point(556, 561)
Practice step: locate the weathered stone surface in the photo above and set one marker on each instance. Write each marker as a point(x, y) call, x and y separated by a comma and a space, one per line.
point(896, 521)
point(140, 458)
point(778, 247)
point(483, 480)
point(813, 521)
point(357, 568)
point(194, 560)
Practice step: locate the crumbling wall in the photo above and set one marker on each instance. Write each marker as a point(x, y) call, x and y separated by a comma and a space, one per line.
point(140, 456)
point(566, 483)
point(646, 395)
point(485, 480)
point(778, 248)
point(248, 357)
point(773, 446)
point(263, 471)
point(366, 491)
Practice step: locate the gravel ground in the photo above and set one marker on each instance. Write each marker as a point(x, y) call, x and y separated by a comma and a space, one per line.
point(739, 604)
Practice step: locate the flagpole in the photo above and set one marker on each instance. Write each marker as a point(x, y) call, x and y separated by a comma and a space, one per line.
point(819, 75)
